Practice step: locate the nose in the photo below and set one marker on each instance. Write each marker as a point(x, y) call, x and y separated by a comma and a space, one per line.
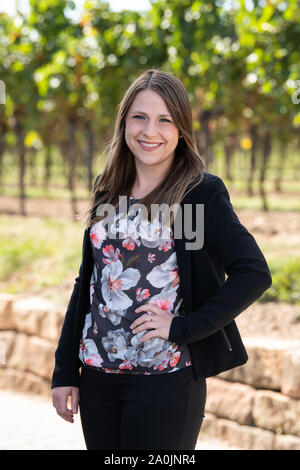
point(149, 129)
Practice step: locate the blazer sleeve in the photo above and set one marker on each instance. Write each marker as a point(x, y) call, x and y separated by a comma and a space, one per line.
point(66, 372)
point(245, 265)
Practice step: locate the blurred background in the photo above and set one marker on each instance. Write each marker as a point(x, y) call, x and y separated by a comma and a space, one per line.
point(64, 67)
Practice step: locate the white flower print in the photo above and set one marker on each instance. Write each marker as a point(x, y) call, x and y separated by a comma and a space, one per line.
point(116, 344)
point(150, 233)
point(119, 224)
point(97, 234)
point(151, 352)
point(114, 316)
point(87, 324)
point(142, 294)
point(165, 274)
point(93, 282)
point(114, 281)
point(89, 353)
point(111, 254)
point(166, 298)
point(121, 265)
point(131, 236)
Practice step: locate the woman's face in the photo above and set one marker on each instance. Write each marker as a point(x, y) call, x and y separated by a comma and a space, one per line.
point(148, 121)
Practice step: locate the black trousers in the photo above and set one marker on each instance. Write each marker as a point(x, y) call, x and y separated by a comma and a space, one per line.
point(126, 411)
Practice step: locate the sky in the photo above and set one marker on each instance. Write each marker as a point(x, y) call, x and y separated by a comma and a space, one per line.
point(115, 5)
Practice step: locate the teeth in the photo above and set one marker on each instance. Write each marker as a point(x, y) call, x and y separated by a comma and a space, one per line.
point(150, 145)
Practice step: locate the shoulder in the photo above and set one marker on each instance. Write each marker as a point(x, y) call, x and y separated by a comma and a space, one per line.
point(210, 186)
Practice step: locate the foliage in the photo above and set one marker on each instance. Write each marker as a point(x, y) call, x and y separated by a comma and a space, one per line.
point(286, 282)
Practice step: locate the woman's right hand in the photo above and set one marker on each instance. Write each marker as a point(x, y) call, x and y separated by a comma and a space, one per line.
point(60, 401)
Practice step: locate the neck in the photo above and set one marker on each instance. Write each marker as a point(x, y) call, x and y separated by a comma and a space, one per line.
point(146, 180)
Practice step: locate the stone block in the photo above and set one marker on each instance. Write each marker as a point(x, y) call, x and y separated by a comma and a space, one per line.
point(209, 425)
point(23, 382)
point(228, 400)
point(32, 354)
point(290, 381)
point(7, 339)
point(38, 316)
point(6, 317)
point(276, 412)
point(244, 437)
point(287, 442)
point(264, 368)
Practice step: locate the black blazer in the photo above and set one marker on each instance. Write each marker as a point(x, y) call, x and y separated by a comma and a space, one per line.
point(211, 300)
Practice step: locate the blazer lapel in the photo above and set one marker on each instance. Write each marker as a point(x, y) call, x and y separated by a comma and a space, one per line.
point(184, 265)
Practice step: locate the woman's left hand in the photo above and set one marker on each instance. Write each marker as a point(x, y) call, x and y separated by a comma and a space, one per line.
point(159, 325)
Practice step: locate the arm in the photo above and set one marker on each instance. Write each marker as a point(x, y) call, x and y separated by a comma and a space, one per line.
point(66, 373)
point(245, 265)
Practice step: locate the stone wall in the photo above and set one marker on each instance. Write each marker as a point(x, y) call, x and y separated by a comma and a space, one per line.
point(255, 406)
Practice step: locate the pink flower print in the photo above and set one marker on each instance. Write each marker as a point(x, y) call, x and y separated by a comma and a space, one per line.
point(164, 274)
point(151, 257)
point(162, 365)
point(174, 273)
point(97, 234)
point(131, 236)
point(114, 282)
point(188, 363)
point(82, 345)
point(174, 358)
point(142, 294)
point(111, 254)
point(95, 328)
point(166, 246)
point(94, 360)
point(126, 365)
point(164, 304)
point(89, 353)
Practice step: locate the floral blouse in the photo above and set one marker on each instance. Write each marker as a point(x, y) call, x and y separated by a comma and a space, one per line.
point(131, 268)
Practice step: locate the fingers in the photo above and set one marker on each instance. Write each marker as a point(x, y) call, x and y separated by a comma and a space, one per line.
point(60, 401)
point(148, 325)
point(149, 335)
point(74, 399)
point(149, 307)
point(146, 321)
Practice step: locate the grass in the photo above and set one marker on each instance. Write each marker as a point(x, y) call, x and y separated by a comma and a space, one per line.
point(286, 281)
point(275, 203)
point(37, 253)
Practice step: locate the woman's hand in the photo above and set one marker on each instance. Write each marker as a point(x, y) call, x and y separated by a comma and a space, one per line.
point(60, 401)
point(157, 320)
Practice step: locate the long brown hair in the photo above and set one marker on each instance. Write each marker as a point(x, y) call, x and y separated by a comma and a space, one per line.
point(119, 172)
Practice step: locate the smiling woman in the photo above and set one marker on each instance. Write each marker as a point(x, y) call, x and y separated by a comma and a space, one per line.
point(148, 320)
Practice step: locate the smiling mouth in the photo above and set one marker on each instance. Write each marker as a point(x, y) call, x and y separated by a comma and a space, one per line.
point(149, 145)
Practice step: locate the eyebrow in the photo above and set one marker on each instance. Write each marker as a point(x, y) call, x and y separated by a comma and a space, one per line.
point(141, 112)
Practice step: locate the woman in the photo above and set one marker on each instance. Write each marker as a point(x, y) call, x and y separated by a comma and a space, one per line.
point(151, 315)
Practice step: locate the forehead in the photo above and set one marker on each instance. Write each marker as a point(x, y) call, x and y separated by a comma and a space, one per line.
point(149, 101)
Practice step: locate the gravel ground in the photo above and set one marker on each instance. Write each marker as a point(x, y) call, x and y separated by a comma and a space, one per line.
point(31, 423)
